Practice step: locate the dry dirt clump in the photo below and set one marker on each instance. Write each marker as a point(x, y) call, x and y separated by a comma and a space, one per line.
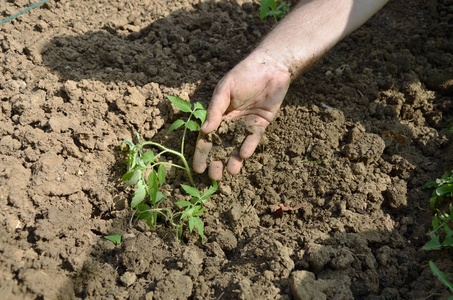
point(356, 138)
point(227, 138)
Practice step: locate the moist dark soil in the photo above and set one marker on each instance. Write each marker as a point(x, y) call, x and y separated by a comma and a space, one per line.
point(356, 138)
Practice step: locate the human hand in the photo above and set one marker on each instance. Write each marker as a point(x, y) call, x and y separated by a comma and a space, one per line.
point(253, 90)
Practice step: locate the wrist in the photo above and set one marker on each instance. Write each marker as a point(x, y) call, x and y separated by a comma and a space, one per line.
point(274, 64)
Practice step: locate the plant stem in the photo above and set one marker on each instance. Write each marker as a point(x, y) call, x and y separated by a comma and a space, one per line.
point(180, 155)
point(184, 134)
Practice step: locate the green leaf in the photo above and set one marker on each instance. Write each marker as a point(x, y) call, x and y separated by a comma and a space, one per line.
point(441, 276)
point(159, 196)
point(148, 156)
point(191, 190)
point(200, 115)
point(199, 226)
point(161, 171)
point(116, 239)
point(180, 103)
point(444, 190)
point(199, 212)
point(142, 207)
point(192, 126)
point(134, 179)
point(435, 222)
point(176, 124)
point(142, 215)
point(183, 203)
point(132, 160)
point(429, 185)
point(191, 224)
point(198, 105)
point(432, 202)
point(127, 176)
point(448, 242)
point(265, 7)
point(153, 186)
point(139, 194)
point(187, 213)
point(433, 244)
point(211, 190)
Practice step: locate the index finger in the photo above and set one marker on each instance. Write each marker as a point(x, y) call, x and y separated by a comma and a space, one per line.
point(219, 104)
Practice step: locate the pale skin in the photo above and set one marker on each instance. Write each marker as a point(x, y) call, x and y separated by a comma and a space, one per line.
point(255, 88)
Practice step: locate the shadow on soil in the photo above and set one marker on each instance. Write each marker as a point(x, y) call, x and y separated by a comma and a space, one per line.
point(199, 47)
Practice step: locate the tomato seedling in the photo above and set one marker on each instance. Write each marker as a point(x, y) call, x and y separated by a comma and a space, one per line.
point(147, 174)
point(269, 8)
point(442, 233)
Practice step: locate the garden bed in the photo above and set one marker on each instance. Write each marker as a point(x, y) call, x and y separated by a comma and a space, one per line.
point(356, 138)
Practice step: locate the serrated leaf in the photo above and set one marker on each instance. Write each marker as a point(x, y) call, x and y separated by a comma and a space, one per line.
point(139, 194)
point(433, 244)
point(116, 239)
point(183, 203)
point(191, 224)
point(161, 172)
point(199, 212)
point(153, 186)
point(142, 207)
point(180, 103)
point(148, 156)
point(200, 115)
point(192, 125)
point(211, 190)
point(191, 190)
point(134, 178)
point(441, 276)
point(198, 105)
point(143, 215)
point(199, 226)
point(187, 213)
point(264, 8)
point(176, 124)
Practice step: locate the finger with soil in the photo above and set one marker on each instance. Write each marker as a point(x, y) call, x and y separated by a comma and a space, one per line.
point(201, 154)
point(234, 163)
point(250, 143)
point(215, 170)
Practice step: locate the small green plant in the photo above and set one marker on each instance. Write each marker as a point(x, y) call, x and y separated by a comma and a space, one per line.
point(269, 8)
point(442, 233)
point(147, 173)
point(443, 187)
point(116, 239)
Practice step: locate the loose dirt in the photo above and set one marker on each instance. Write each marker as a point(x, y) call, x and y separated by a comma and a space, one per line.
point(356, 138)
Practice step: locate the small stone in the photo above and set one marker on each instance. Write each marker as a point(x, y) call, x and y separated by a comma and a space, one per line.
point(128, 278)
point(227, 240)
point(235, 214)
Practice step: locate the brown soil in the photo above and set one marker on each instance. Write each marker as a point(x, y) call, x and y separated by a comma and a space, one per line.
point(78, 77)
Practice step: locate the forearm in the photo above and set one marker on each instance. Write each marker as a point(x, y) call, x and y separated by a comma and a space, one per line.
point(310, 30)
